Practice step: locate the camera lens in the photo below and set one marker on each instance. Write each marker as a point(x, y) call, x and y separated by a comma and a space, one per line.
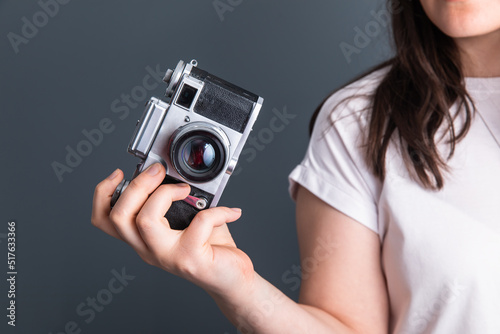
point(198, 153)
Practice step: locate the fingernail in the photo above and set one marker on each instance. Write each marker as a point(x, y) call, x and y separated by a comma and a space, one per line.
point(153, 169)
point(236, 210)
point(113, 175)
point(181, 185)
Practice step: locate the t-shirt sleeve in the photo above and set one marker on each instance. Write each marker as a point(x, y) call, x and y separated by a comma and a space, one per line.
point(334, 168)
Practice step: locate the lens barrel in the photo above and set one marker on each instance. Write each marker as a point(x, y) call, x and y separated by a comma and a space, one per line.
point(199, 152)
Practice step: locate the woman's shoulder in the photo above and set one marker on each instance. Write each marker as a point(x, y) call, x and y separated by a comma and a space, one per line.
point(342, 126)
point(354, 99)
point(334, 167)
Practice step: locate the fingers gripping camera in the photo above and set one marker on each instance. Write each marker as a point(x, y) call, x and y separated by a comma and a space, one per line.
point(197, 134)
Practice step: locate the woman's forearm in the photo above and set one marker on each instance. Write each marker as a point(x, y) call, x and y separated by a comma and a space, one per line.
point(264, 309)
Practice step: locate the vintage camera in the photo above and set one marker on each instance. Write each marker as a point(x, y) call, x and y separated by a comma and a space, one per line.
point(197, 134)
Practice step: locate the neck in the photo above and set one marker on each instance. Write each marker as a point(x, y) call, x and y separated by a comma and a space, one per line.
point(480, 55)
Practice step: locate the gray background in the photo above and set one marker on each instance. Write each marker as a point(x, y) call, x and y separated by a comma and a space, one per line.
point(64, 80)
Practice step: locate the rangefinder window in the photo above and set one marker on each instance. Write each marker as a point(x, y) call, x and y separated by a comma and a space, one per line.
point(186, 96)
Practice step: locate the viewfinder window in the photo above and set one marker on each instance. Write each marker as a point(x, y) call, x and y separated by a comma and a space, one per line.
point(186, 97)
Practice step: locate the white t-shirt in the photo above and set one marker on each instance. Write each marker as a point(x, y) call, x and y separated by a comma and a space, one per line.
point(440, 249)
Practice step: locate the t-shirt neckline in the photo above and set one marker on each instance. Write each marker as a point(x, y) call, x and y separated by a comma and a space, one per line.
point(491, 84)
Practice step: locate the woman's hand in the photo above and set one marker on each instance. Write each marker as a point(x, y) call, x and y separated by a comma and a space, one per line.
point(204, 253)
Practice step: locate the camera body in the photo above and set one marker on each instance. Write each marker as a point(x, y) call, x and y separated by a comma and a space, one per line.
point(197, 134)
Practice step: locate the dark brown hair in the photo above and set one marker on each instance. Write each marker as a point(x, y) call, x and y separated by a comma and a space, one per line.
point(424, 80)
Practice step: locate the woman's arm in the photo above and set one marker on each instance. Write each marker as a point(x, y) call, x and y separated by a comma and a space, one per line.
point(343, 288)
point(265, 309)
point(347, 281)
point(344, 293)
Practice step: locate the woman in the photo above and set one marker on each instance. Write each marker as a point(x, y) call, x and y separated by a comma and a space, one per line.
point(397, 197)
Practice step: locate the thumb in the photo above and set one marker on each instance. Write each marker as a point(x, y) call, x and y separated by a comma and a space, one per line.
point(200, 229)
